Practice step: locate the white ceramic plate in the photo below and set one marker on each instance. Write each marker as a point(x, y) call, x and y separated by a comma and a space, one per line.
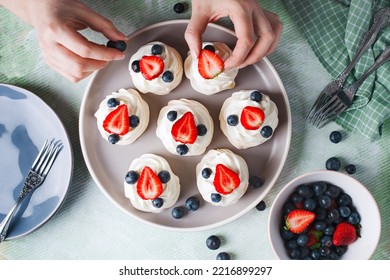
point(25, 124)
point(109, 163)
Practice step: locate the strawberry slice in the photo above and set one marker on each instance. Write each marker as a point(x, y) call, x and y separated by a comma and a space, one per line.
point(252, 117)
point(184, 129)
point(149, 186)
point(225, 180)
point(209, 64)
point(344, 234)
point(117, 121)
point(151, 66)
point(298, 220)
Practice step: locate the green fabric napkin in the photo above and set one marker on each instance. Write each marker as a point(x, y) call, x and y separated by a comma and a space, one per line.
point(334, 30)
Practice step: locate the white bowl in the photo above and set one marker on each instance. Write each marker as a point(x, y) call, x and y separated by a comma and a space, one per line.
point(363, 248)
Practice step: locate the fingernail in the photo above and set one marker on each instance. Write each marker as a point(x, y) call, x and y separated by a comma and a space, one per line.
point(119, 57)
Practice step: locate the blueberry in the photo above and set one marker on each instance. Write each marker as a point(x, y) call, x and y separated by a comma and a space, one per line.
point(305, 191)
point(119, 45)
point(256, 96)
point(113, 138)
point(112, 102)
point(192, 203)
point(305, 252)
point(261, 206)
point(296, 198)
point(333, 163)
point(344, 211)
point(292, 244)
point(215, 197)
point(179, 7)
point(350, 168)
point(177, 212)
point(255, 182)
point(329, 230)
point(320, 226)
point(288, 207)
point(319, 187)
point(302, 239)
point(335, 137)
point(333, 214)
point(157, 49)
point(294, 253)
point(344, 199)
point(326, 241)
point(135, 66)
point(232, 120)
point(172, 115)
point(213, 242)
point(158, 202)
point(202, 129)
point(266, 131)
point(164, 176)
point(286, 234)
point(131, 177)
point(182, 149)
point(309, 204)
point(223, 256)
point(340, 250)
point(206, 172)
point(320, 214)
point(324, 201)
point(315, 254)
point(354, 218)
point(333, 191)
point(134, 121)
point(167, 76)
point(324, 251)
point(210, 48)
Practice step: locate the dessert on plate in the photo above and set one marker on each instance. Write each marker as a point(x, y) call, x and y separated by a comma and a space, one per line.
point(185, 127)
point(248, 118)
point(222, 177)
point(150, 184)
point(122, 117)
point(156, 68)
point(207, 73)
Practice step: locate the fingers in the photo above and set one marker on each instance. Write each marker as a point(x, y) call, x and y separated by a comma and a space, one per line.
point(193, 34)
point(70, 65)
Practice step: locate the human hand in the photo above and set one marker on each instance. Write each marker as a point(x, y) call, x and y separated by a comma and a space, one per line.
point(258, 30)
point(64, 49)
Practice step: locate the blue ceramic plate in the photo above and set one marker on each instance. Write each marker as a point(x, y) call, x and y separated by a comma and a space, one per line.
point(25, 123)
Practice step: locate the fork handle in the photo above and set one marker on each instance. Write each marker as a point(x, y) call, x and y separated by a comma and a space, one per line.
point(7, 220)
point(382, 58)
point(381, 20)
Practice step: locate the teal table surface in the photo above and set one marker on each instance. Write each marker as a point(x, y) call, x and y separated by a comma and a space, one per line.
point(89, 226)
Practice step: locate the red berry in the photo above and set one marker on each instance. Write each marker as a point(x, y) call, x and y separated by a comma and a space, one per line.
point(225, 180)
point(149, 186)
point(117, 121)
point(184, 129)
point(151, 66)
point(210, 64)
point(298, 220)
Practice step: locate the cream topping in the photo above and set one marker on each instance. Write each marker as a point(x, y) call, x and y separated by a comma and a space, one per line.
point(238, 136)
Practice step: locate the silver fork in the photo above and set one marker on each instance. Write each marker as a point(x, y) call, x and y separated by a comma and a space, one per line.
point(344, 97)
point(381, 20)
point(35, 178)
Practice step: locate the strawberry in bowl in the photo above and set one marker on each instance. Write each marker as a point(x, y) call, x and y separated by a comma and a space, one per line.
point(156, 68)
point(185, 127)
point(222, 177)
point(207, 74)
point(248, 118)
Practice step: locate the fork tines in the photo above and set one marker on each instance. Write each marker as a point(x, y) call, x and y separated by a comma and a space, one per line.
point(46, 156)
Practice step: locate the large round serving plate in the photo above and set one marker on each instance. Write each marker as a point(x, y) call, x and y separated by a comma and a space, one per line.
point(109, 163)
point(26, 122)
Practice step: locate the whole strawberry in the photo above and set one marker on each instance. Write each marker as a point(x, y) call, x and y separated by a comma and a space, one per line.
point(344, 234)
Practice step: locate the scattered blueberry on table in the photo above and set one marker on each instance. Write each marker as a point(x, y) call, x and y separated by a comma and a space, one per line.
point(178, 212)
point(333, 163)
point(192, 203)
point(350, 168)
point(213, 242)
point(223, 256)
point(335, 137)
point(261, 206)
point(179, 7)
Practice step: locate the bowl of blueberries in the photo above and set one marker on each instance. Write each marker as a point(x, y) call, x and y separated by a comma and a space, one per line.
point(324, 215)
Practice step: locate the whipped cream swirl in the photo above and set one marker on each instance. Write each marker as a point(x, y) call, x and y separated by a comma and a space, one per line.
point(135, 105)
point(230, 160)
point(172, 62)
point(201, 116)
point(171, 190)
point(237, 135)
point(223, 81)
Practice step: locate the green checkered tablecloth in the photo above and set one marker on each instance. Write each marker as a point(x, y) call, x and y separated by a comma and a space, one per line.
point(334, 30)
